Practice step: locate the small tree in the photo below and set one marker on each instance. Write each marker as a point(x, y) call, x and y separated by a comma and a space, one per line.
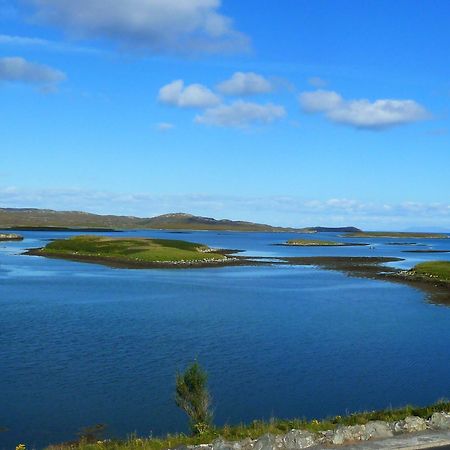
point(192, 396)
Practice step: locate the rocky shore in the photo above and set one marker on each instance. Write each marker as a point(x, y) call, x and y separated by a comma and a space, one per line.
point(299, 439)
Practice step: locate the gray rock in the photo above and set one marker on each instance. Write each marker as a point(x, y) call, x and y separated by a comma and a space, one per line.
point(220, 444)
point(268, 442)
point(378, 429)
point(440, 421)
point(350, 433)
point(297, 439)
point(411, 424)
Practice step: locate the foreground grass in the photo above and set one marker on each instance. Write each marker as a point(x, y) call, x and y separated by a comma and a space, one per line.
point(131, 250)
point(396, 234)
point(437, 269)
point(258, 428)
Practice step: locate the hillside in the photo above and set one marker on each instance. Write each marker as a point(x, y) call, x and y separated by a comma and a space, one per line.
point(12, 218)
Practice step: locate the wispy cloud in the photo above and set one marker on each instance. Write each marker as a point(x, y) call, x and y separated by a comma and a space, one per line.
point(164, 126)
point(240, 114)
point(44, 44)
point(277, 210)
point(362, 113)
point(19, 70)
point(157, 26)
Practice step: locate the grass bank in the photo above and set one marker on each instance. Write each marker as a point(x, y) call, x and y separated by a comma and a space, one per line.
point(258, 428)
point(131, 252)
point(396, 234)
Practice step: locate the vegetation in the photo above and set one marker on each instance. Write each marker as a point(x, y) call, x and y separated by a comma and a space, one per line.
point(435, 269)
point(317, 243)
point(396, 234)
point(257, 428)
point(192, 396)
point(129, 250)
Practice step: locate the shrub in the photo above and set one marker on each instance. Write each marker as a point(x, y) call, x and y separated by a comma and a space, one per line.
point(192, 396)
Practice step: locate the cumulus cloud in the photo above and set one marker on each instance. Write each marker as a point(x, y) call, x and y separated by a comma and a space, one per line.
point(377, 115)
point(16, 69)
point(191, 96)
point(159, 26)
point(240, 114)
point(245, 83)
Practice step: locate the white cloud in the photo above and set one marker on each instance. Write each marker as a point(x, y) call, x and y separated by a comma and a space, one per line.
point(191, 96)
point(160, 26)
point(164, 126)
point(240, 114)
point(245, 83)
point(15, 69)
point(377, 115)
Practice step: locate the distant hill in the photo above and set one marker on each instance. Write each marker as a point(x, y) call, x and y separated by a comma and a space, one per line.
point(23, 218)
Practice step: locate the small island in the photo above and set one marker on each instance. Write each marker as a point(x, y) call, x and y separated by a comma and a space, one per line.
point(10, 237)
point(396, 234)
point(318, 243)
point(135, 252)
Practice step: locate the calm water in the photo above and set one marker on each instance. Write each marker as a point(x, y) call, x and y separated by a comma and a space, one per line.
point(82, 344)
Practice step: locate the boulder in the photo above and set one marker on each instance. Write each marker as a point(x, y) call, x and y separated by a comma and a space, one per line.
point(440, 421)
point(378, 429)
point(268, 442)
point(297, 439)
point(220, 444)
point(411, 424)
point(350, 433)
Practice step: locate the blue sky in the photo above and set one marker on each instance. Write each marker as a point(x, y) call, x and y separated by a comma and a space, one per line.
point(292, 113)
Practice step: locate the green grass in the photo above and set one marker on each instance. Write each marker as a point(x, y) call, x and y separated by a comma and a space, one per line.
point(313, 243)
point(437, 269)
point(132, 250)
point(257, 428)
point(396, 234)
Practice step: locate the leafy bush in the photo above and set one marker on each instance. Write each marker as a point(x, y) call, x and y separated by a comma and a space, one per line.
point(192, 396)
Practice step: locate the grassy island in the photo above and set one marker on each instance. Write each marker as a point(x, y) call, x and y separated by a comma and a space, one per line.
point(10, 237)
point(132, 252)
point(396, 234)
point(317, 243)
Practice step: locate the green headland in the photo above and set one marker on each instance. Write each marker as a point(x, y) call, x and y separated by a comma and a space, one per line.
point(133, 252)
point(438, 270)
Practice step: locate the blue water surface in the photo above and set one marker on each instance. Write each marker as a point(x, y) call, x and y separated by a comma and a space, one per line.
point(82, 343)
